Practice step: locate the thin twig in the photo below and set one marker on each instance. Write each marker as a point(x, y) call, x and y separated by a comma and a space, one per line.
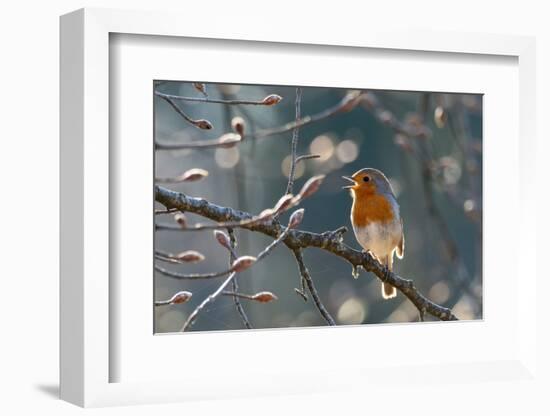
point(225, 141)
point(220, 289)
point(294, 144)
point(206, 301)
point(168, 259)
point(237, 295)
point(304, 272)
point(306, 157)
point(193, 276)
point(165, 211)
point(434, 211)
point(211, 100)
point(234, 282)
point(349, 102)
point(201, 124)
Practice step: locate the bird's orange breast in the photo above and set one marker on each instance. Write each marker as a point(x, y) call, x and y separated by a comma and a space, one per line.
point(372, 207)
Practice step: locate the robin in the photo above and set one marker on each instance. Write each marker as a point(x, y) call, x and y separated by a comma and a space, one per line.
point(375, 217)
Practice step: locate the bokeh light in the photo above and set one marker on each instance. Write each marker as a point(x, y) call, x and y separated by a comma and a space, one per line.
point(352, 311)
point(322, 145)
point(347, 151)
point(229, 89)
point(464, 309)
point(227, 158)
point(440, 292)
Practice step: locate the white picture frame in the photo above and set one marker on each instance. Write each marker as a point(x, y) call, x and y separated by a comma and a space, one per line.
point(86, 353)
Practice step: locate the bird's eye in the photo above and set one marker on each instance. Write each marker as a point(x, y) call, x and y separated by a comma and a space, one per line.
point(366, 179)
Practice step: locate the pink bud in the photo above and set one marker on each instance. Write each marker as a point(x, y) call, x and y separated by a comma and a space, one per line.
point(190, 256)
point(311, 186)
point(440, 117)
point(180, 297)
point(272, 99)
point(283, 203)
point(267, 213)
point(243, 263)
point(180, 219)
point(193, 175)
point(385, 117)
point(237, 123)
point(296, 218)
point(199, 86)
point(223, 239)
point(203, 124)
point(264, 297)
point(229, 140)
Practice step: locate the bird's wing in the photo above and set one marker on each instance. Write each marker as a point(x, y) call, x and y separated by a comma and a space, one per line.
point(401, 245)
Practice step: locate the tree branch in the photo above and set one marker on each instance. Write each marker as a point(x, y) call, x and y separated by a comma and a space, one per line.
point(206, 301)
point(294, 144)
point(330, 241)
point(304, 272)
point(348, 103)
point(200, 124)
point(234, 283)
point(233, 271)
point(267, 101)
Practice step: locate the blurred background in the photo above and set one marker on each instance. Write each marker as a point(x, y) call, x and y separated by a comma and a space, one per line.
point(428, 144)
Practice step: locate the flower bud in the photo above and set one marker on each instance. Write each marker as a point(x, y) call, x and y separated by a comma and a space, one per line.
point(223, 239)
point(199, 86)
point(283, 203)
point(243, 263)
point(180, 297)
point(190, 256)
point(350, 101)
point(272, 99)
point(264, 297)
point(181, 219)
point(203, 124)
point(237, 124)
point(267, 213)
point(385, 117)
point(229, 140)
point(193, 175)
point(311, 186)
point(403, 142)
point(296, 218)
point(440, 117)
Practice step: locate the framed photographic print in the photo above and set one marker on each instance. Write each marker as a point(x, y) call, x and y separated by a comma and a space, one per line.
point(433, 143)
point(295, 208)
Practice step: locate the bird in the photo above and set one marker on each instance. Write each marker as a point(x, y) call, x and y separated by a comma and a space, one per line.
point(376, 220)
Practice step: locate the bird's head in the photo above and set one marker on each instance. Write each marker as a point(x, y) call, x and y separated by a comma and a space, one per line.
point(368, 181)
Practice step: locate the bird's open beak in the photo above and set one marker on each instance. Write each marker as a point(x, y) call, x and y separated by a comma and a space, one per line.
point(349, 179)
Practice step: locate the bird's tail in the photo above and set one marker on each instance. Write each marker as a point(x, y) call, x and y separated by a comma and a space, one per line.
point(388, 291)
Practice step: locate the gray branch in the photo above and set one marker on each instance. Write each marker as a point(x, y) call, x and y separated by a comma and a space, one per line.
point(330, 241)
